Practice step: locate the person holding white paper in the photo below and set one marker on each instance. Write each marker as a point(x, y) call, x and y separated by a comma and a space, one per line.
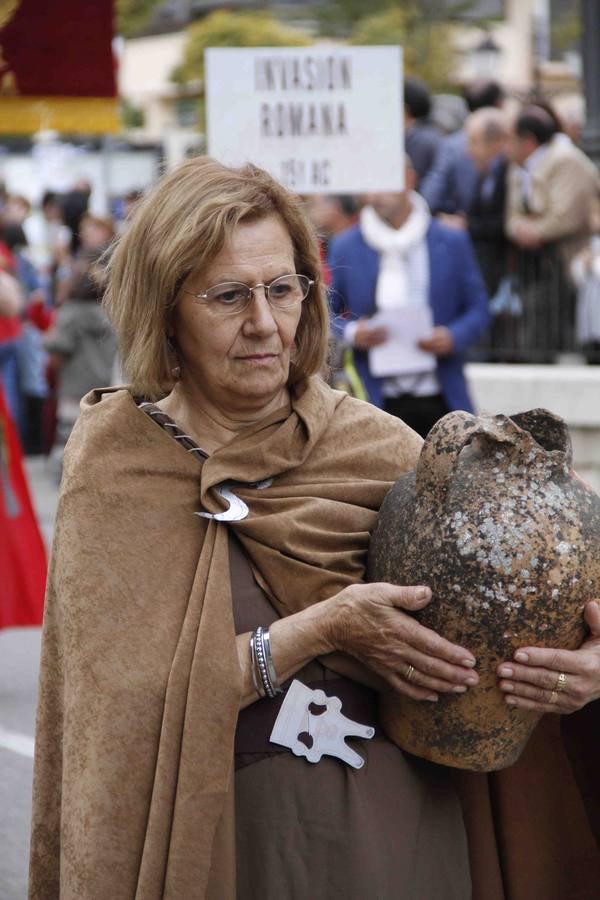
point(408, 296)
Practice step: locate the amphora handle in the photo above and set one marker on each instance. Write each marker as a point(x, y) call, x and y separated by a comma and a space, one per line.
point(442, 447)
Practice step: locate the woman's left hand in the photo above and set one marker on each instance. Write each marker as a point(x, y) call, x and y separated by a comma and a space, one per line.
point(555, 681)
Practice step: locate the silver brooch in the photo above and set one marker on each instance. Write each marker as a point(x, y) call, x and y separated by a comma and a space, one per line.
point(236, 508)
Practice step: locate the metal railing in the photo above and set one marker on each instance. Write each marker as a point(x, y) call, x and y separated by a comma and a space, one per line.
point(537, 317)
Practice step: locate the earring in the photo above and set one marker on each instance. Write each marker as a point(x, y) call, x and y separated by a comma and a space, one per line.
point(176, 370)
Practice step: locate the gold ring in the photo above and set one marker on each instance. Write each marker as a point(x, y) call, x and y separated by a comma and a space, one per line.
point(553, 697)
point(561, 683)
point(409, 673)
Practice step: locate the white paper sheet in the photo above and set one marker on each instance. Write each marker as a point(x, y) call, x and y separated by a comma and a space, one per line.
point(400, 354)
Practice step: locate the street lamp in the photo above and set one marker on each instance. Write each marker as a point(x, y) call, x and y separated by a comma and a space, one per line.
point(485, 59)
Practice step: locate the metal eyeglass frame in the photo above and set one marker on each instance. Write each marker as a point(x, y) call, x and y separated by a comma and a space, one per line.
point(266, 287)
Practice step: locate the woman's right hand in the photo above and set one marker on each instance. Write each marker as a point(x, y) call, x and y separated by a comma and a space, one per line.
point(369, 622)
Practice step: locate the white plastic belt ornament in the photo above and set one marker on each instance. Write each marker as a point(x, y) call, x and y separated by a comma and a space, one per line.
point(315, 735)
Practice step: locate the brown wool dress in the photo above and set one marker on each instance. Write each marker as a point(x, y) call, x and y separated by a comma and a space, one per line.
point(390, 831)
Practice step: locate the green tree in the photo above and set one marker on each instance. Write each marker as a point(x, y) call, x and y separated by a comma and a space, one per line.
point(565, 33)
point(233, 29)
point(230, 29)
point(340, 17)
point(428, 47)
point(132, 116)
point(132, 16)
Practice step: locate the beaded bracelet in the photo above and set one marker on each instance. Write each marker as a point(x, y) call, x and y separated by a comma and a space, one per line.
point(264, 676)
point(258, 686)
point(261, 659)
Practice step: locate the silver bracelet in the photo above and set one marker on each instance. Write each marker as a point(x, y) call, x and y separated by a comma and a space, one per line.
point(261, 659)
point(266, 640)
point(264, 677)
point(258, 687)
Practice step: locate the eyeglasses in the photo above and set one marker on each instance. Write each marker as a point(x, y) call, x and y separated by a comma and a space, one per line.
point(233, 297)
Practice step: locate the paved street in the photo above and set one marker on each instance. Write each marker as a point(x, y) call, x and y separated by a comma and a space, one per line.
point(19, 652)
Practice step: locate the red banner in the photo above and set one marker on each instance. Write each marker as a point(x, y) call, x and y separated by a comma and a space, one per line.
point(56, 66)
point(22, 553)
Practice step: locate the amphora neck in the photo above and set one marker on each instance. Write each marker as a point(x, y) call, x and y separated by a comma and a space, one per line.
point(533, 435)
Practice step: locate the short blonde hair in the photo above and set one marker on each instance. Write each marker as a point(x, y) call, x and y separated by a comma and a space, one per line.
point(180, 227)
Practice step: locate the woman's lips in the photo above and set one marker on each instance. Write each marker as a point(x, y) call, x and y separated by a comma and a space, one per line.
point(259, 358)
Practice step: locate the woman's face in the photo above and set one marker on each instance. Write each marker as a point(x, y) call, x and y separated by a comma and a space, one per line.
point(239, 362)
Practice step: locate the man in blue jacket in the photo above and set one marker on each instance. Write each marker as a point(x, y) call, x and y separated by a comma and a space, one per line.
point(396, 261)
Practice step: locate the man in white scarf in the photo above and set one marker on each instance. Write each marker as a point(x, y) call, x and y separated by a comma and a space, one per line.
point(408, 296)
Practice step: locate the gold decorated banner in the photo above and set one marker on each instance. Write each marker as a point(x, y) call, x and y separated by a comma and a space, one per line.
point(70, 115)
point(56, 67)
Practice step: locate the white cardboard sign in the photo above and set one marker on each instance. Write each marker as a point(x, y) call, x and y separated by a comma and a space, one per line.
point(321, 119)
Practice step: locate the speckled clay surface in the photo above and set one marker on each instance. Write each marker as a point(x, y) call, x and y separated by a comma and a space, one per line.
point(495, 521)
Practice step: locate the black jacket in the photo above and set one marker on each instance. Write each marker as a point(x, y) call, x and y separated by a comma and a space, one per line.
point(485, 218)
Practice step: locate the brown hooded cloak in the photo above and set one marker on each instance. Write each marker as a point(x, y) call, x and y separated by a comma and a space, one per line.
point(140, 682)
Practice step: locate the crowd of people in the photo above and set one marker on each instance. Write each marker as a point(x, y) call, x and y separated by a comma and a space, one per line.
point(169, 649)
point(515, 182)
point(491, 252)
point(209, 607)
point(58, 343)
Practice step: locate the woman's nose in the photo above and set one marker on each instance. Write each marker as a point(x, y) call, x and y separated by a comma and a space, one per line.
point(259, 313)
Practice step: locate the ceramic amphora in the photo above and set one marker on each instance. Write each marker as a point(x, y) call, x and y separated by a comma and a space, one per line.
point(507, 536)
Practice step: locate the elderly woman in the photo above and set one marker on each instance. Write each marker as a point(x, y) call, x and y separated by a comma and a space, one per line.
point(210, 545)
